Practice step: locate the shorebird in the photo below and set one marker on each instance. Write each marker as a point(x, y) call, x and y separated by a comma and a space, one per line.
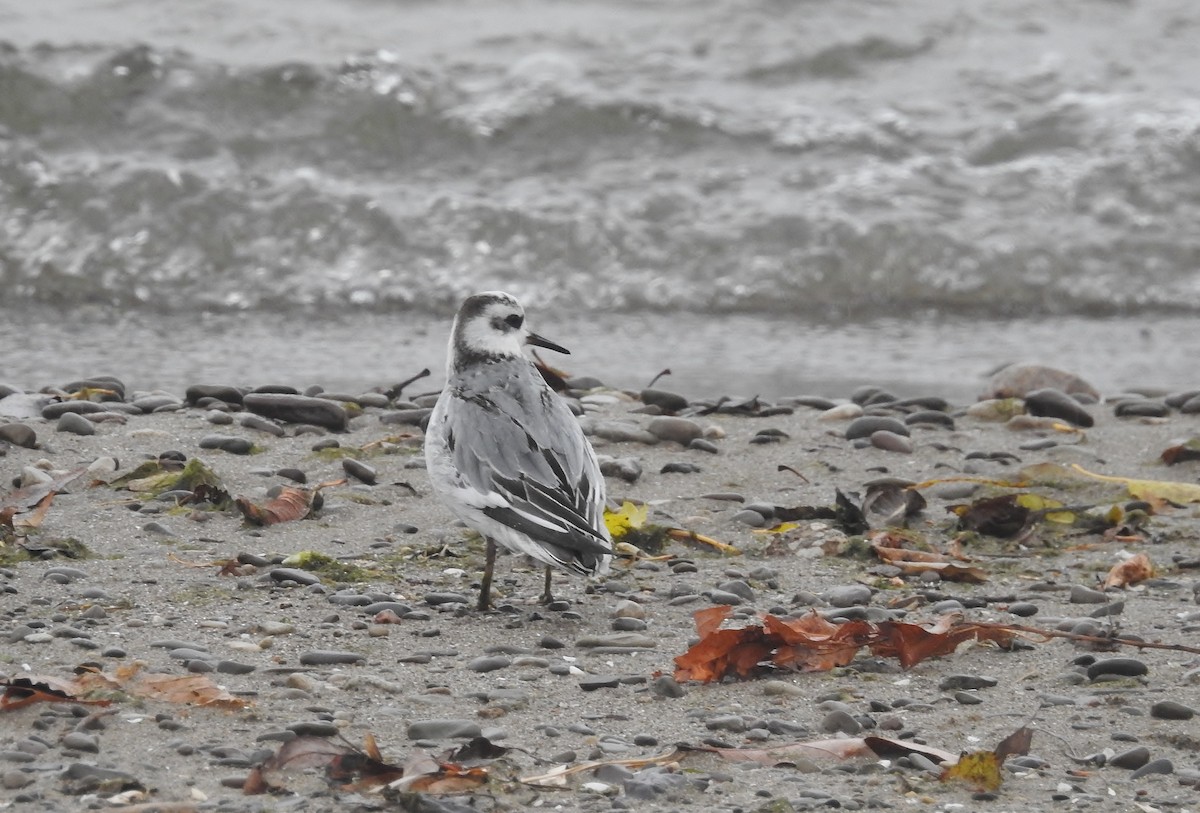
point(506, 454)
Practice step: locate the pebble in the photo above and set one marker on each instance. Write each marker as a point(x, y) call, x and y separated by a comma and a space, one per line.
point(1017, 380)
point(298, 409)
point(294, 574)
point(594, 682)
point(79, 741)
point(326, 657)
point(252, 421)
point(1132, 759)
point(75, 424)
point(664, 400)
point(57, 409)
point(1171, 710)
point(1141, 409)
point(197, 392)
point(891, 442)
point(359, 470)
point(960, 682)
point(1154, 766)
point(1123, 667)
point(868, 425)
point(617, 639)
point(929, 417)
point(489, 663)
point(622, 432)
point(840, 721)
point(627, 469)
point(227, 443)
point(667, 686)
point(18, 434)
point(1086, 595)
point(703, 445)
point(1052, 403)
point(679, 430)
point(1023, 609)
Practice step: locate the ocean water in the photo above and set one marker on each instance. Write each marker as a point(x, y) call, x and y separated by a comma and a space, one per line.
point(776, 197)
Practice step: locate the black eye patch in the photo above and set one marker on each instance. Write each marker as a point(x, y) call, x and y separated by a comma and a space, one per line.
point(515, 320)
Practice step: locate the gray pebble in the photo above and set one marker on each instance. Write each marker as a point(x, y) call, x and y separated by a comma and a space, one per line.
point(298, 409)
point(621, 432)
point(234, 668)
point(1171, 710)
point(1132, 759)
point(252, 421)
point(968, 698)
point(726, 722)
point(80, 741)
point(891, 442)
point(666, 401)
point(959, 682)
point(18, 434)
point(59, 408)
point(1023, 609)
point(667, 686)
point(841, 721)
point(326, 657)
point(75, 424)
point(359, 470)
point(749, 517)
point(197, 392)
point(849, 595)
point(227, 443)
point(489, 663)
point(1086, 595)
point(313, 728)
point(1052, 403)
point(1156, 766)
point(445, 597)
point(724, 597)
point(623, 468)
point(680, 430)
point(594, 682)
point(867, 425)
point(407, 417)
point(1141, 408)
point(617, 639)
point(1124, 667)
point(293, 574)
point(628, 624)
point(704, 445)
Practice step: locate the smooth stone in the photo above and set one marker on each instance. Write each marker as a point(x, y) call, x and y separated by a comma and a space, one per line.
point(594, 682)
point(704, 445)
point(252, 421)
point(489, 663)
point(868, 425)
point(157, 403)
point(929, 417)
point(1191, 406)
point(664, 400)
point(1123, 667)
point(359, 470)
point(446, 597)
point(1086, 595)
point(629, 609)
point(298, 409)
point(313, 728)
point(57, 409)
point(1171, 710)
point(75, 424)
point(1132, 759)
point(680, 430)
point(1141, 409)
point(617, 639)
point(748, 516)
point(891, 442)
point(1023, 609)
point(18, 434)
point(841, 721)
point(326, 657)
point(1155, 766)
point(293, 574)
point(627, 469)
point(79, 741)
point(967, 698)
point(1052, 403)
point(963, 682)
point(622, 432)
point(667, 686)
point(227, 443)
point(726, 722)
point(407, 417)
point(724, 597)
point(197, 392)
point(444, 730)
point(295, 475)
point(227, 667)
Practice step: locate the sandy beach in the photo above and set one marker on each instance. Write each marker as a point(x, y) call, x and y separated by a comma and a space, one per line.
point(108, 577)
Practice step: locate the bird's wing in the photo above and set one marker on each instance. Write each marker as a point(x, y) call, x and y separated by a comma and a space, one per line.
point(522, 451)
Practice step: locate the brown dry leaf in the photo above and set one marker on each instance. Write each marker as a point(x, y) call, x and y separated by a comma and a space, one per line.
point(1017, 743)
point(448, 778)
point(722, 652)
point(1182, 452)
point(912, 643)
point(1135, 569)
point(948, 571)
point(344, 766)
point(291, 504)
point(191, 690)
point(889, 748)
point(812, 644)
point(918, 561)
point(556, 777)
point(24, 690)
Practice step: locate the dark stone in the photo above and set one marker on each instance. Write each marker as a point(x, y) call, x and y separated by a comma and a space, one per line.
point(867, 425)
point(198, 392)
point(1124, 667)
point(666, 401)
point(18, 434)
point(298, 409)
point(1141, 409)
point(1052, 403)
point(59, 408)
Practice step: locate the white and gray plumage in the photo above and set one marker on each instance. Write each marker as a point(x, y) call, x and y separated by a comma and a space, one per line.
point(506, 455)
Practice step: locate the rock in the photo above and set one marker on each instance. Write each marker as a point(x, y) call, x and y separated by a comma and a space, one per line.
point(252, 421)
point(1155, 766)
point(623, 468)
point(1052, 403)
point(965, 682)
point(18, 434)
point(1132, 759)
point(409, 417)
point(1086, 595)
point(1171, 710)
point(841, 721)
point(157, 402)
point(298, 409)
point(359, 470)
point(1017, 380)
point(891, 442)
point(867, 425)
point(75, 424)
point(197, 392)
point(680, 430)
point(1122, 667)
point(849, 595)
point(666, 401)
point(326, 657)
point(1138, 408)
point(227, 443)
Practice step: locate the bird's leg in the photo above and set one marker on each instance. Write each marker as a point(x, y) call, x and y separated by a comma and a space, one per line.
point(547, 596)
point(485, 585)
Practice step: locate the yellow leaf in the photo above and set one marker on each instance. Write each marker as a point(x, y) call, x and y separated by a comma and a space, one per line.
point(628, 518)
point(1150, 489)
point(781, 528)
point(980, 769)
point(1036, 502)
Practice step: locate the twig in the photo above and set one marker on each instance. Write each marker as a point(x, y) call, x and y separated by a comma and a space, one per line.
point(1100, 639)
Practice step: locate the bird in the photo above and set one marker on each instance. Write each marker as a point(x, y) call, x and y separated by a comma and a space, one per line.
point(507, 456)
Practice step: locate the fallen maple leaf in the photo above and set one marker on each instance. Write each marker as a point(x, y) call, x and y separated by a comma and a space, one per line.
point(24, 690)
point(1135, 569)
point(981, 769)
point(291, 503)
